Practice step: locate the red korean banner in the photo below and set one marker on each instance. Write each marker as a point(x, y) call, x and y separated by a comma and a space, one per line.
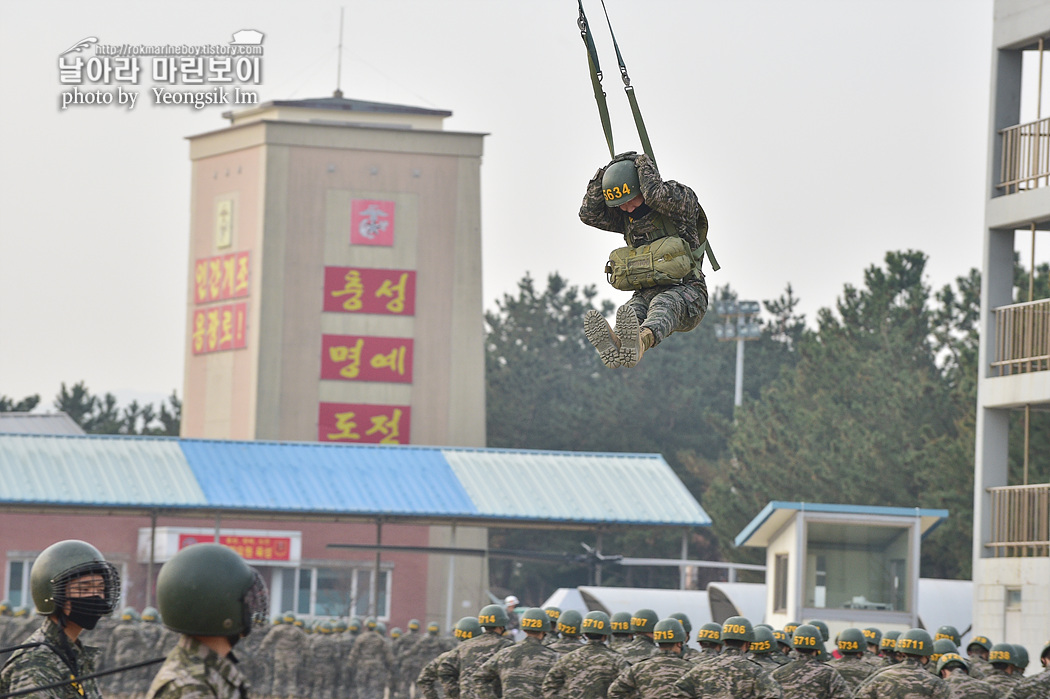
point(364, 290)
point(251, 548)
point(365, 358)
point(220, 328)
point(363, 424)
point(371, 222)
point(220, 278)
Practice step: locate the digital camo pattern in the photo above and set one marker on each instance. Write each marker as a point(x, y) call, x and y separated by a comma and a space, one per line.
point(515, 672)
point(962, 686)
point(428, 683)
point(652, 678)
point(1000, 681)
point(907, 679)
point(372, 663)
point(457, 668)
point(809, 678)
point(1034, 687)
point(287, 645)
point(728, 675)
point(662, 309)
point(566, 644)
point(585, 673)
point(42, 665)
point(853, 668)
point(639, 649)
point(194, 671)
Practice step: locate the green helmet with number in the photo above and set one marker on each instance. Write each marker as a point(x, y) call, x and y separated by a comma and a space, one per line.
point(781, 638)
point(492, 616)
point(737, 628)
point(130, 614)
point(764, 641)
point(789, 628)
point(807, 637)
point(534, 620)
point(644, 621)
point(1020, 657)
point(467, 627)
point(852, 641)
point(889, 641)
point(872, 636)
point(59, 565)
point(914, 642)
point(553, 613)
point(433, 629)
point(413, 624)
point(354, 625)
point(982, 642)
point(620, 182)
point(150, 615)
point(940, 647)
point(1001, 653)
point(621, 623)
point(669, 630)
point(596, 624)
point(709, 633)
point(209, 590)
point(569, 623)
point(949, 632)
point(950, 660)
point(684, 619)
point(396, 632)
point(825, 633)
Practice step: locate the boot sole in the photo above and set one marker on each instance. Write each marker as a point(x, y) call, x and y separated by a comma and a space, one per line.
point(599, 334)
point(627, 329)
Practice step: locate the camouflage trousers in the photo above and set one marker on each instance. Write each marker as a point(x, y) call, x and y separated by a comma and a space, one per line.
point(669, 309)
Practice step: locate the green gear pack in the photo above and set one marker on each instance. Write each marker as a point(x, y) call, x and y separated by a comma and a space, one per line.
point(662, 262)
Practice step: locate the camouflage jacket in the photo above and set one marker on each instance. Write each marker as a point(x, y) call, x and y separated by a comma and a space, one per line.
point(618, 640)
point(458, 666)
point(673, 200)
point(566, 645)
point(57, 659)
point(640, 648)
point(728, 675)
point(907, 679)
point(1002, 682)
point(705, 654)
point(962, 686)
point(809, 678)
point(370, 647)
point(853, 668)
point(194, 671)
point(516, 672)
point(768, 661)
point(585, 673)
point(1034, 687)
point(429, 684)
point(652, 678)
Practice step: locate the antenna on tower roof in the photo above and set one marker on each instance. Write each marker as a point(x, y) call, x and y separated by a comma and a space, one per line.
point(339, 66)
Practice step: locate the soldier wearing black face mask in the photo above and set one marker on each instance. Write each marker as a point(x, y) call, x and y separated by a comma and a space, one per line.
point(73, 587)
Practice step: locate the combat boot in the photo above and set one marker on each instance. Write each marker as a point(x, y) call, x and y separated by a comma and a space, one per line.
point(604, 338)
point(634, 339)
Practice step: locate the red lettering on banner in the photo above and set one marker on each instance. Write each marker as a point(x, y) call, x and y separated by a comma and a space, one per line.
point(356, 358)
point(219, 328)
point(366, 290)
point(221, 278)
point(252, 548)
point(364, 424)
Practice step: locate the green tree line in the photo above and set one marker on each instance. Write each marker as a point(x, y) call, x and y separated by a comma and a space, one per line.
point(102, 415)
point(873, 405)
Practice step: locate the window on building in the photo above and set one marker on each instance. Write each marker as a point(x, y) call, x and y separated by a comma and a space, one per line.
point(780, 582)
point(329, 591)
point(858, 567)
point(17, 578)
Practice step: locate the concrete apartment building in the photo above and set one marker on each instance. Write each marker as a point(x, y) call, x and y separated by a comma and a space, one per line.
point(1011, 542)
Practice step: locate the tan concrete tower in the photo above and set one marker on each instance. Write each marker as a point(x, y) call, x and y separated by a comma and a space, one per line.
point(335, 277)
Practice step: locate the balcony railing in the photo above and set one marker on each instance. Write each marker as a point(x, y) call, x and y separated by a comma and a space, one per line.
point(1020, 520)
point(1026, 156)
point(1022, 338)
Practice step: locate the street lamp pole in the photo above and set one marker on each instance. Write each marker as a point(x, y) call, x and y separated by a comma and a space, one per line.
point(739, 322)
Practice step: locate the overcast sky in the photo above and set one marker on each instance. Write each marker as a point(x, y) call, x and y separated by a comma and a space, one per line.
point(818, 134)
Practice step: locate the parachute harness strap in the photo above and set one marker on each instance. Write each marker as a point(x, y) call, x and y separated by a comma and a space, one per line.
point(596, 78)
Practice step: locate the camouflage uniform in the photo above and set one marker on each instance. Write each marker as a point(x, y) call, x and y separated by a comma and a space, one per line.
point(705, 654)
point(428, 683)
point(853, 668)
point(54, 661)
point(288, 644)
point(962, 686)
point(907, 679)
point(691, 654)
point(459, 665)
point(125, 647)
point(662, 309)
point(403, 674)
point(767, 661)
point(652, 678)
point(1000, 681)
point(372, 663)
point(516, 672)
point(566, 644)
point(728, 675)
point(619, 641)
point(809, 678)
point(639, 649)
point(325, 664)
point(585, 673)
point(421, 654)
point(1034, 687)
point(194, 671)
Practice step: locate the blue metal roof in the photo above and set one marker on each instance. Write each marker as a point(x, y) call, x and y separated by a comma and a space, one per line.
point(930, 518)
point(345, 480)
